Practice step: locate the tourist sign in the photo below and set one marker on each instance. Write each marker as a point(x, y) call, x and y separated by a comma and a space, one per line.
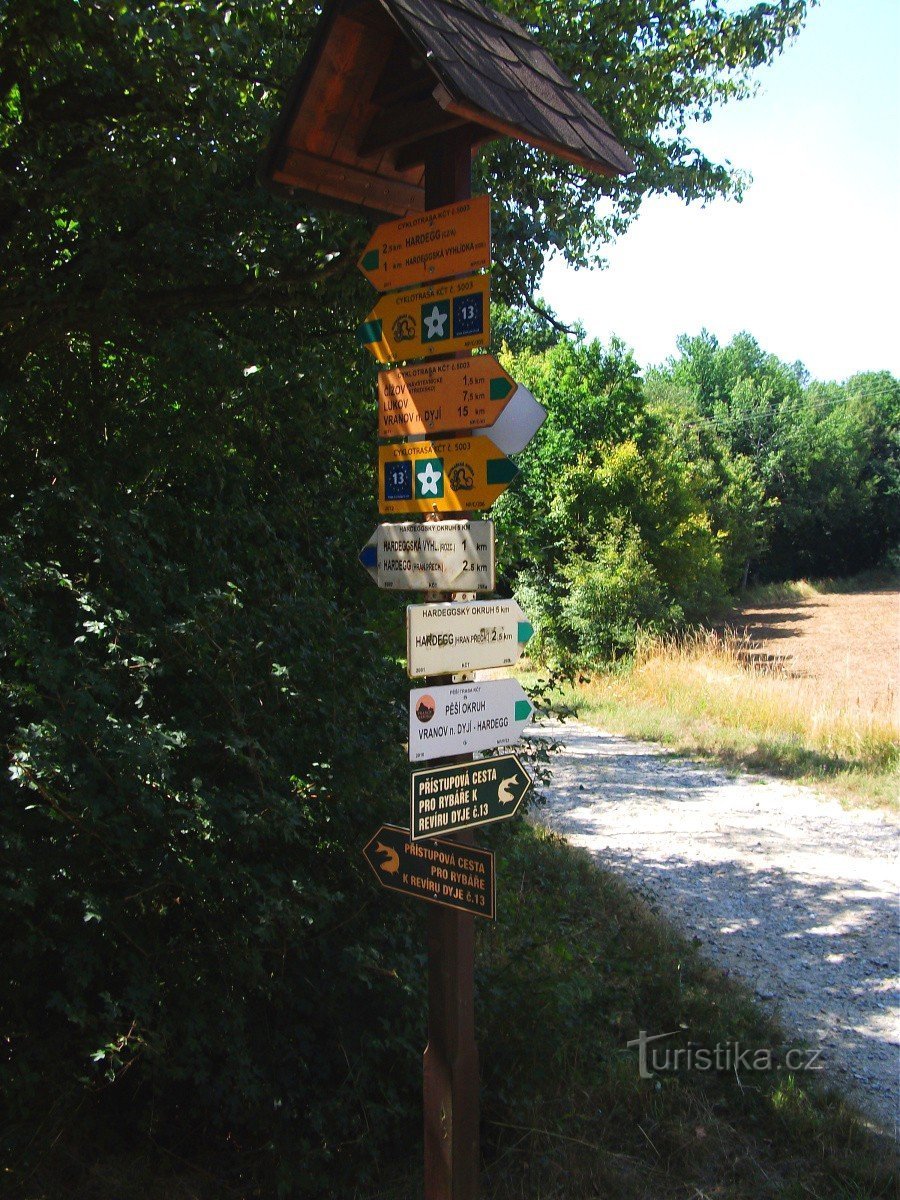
point(452, 240)
point(451, 475)
point(460, 877)
point(460, 718)
point(423, 322)
point(444, 638)
point(433, 397)
point(432, 556)
point(448, 799)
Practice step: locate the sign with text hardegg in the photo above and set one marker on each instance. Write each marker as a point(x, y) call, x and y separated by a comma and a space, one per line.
point(424, 322)
point(460, 718)
point(460, 877)
point(451, 475)
point(464, 795)
point(432, 556)
point(444, 638)
point(452, 240)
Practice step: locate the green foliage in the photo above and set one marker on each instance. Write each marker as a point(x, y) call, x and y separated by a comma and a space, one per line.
point(814, 465)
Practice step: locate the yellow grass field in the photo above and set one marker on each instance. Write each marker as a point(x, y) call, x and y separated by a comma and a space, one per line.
point(802, 682)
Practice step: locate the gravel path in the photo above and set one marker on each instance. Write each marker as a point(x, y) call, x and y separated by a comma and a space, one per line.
point(785, 888)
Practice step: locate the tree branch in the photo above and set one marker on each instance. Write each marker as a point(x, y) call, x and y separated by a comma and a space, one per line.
point(547, 316)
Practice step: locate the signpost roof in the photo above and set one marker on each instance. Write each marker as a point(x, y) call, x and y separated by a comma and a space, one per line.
point(383, 77)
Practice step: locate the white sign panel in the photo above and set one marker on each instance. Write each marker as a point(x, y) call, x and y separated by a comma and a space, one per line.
point(518, 423)
point(432, 556)
point(460, 718)
point(443, 638)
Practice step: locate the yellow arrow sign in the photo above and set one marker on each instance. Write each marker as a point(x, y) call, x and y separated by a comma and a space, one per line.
point(452, 475)
point(427, 321)
point(453, 240)
point(461, 393)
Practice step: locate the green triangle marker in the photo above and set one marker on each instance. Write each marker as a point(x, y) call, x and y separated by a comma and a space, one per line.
point(501, 470)
point(526, 632)
point(523, 710)
point(370, 261)
point(500, 387)
point(369, 331)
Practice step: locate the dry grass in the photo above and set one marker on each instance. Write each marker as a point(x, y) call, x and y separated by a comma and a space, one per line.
point(720, 694)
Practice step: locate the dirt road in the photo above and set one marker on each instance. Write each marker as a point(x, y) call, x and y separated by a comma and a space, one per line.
point(786, 889)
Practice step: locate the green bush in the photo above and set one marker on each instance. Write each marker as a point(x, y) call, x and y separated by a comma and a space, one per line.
point(611, 596)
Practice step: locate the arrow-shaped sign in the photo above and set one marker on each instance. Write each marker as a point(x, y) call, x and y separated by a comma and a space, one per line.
point(432, 556)
point(452, 475)
point(460, 718)
point(445, 873)
point(427, 321)
point(447, 799)
point(433, 397)
point(444, 638)
point(453, 240)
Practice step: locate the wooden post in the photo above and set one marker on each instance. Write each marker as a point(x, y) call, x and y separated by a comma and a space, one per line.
point(450, 1064)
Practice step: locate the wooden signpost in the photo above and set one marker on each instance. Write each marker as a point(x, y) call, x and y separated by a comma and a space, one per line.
point(432, 556)
point(458, 877)
point(452, 475)
point(443, 639)
point(427, 321)
point(384, 116)
point(440, 243)
point(460, 718)
point(464, 795)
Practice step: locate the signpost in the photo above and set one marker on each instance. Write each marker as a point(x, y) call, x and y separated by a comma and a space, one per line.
point(452, 475)
point(427, 321)
point(442, 639)
point(460, 718)
point(463, 795)
point(452, 240)
point(431, 397)
point(446, 873)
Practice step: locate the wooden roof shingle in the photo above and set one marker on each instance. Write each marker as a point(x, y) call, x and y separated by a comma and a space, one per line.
point(383, 78)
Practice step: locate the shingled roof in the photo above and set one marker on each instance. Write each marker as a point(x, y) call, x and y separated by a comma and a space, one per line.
point(383, 78)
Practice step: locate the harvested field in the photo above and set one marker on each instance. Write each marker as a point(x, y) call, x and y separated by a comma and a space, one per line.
point(845, 646)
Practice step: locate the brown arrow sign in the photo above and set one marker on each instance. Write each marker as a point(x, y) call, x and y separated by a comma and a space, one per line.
point(460, 877)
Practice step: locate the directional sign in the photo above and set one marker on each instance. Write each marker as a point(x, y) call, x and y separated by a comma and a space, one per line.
point(445, 873)
point(443, 638)
point(453, 240)
point(433, 397)
point(460, 718)
point(432, 556)
point(452, 475)
point(427, 321)
point(447, 799)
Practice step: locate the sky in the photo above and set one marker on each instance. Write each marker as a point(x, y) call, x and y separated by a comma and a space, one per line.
point(809, 262)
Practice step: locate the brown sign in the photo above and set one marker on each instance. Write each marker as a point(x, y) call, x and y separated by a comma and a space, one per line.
point(460, 877)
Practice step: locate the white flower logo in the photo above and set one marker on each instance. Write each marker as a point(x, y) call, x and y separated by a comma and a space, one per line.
point(435, 324)
point(428, 480)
